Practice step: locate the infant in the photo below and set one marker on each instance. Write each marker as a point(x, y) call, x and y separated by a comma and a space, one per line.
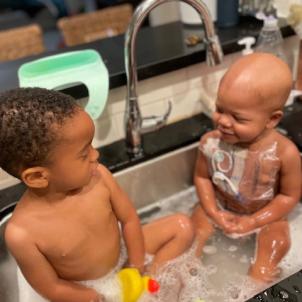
point(248, 175)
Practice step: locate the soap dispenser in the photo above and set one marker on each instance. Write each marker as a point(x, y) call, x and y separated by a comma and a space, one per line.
point(270, 39)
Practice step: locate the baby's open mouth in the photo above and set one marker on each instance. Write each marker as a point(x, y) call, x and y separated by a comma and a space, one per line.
point(224, 131)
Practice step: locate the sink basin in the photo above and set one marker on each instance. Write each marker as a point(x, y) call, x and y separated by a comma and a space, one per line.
point(165, 185)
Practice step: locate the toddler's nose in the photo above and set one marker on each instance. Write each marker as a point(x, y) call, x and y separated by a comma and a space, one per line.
point(95, 155)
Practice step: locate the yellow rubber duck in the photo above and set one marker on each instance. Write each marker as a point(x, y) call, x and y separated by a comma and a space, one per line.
point(133, 284)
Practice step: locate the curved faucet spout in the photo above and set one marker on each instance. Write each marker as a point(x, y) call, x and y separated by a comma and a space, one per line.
point(134, 125)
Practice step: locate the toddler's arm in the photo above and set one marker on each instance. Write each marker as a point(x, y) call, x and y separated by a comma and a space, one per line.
point(126, 214)
point(40, 274)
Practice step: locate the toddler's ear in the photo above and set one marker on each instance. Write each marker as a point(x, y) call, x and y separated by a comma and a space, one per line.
point(36, 177)
point(275, 118)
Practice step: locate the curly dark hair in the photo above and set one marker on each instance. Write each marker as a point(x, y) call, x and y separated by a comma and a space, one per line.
point(27, 117)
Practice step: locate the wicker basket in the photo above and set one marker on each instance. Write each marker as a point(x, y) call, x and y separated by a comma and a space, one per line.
point(21, 42)
point(96, 25)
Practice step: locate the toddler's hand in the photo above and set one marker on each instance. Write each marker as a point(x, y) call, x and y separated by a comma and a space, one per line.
point(140, 267)
point(98, 298)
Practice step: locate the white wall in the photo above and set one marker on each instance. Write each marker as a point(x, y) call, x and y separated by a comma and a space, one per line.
point(179, 10)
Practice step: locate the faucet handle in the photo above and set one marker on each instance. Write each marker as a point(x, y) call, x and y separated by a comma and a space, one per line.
point(155, 122)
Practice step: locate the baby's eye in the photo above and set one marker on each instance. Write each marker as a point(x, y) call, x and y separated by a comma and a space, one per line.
point(84, 156)
point(240, 119)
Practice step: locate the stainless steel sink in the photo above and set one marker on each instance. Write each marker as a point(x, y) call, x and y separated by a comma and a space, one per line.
point(159, 178)
point(8, 273)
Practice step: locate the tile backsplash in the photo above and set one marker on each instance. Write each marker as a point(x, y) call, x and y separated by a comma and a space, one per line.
point(191, 90)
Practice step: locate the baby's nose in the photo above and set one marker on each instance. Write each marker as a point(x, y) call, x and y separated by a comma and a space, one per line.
point(224, 120)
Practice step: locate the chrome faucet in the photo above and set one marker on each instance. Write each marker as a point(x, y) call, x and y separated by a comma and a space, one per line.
point(135, 124)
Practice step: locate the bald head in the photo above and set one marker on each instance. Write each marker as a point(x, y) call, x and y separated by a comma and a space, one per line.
point(264, 77)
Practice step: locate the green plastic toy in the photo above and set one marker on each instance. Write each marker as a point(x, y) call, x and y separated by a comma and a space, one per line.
point(68, 69)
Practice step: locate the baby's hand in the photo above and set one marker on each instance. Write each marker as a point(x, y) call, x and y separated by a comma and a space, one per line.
point(225, 220)
point(244, 224)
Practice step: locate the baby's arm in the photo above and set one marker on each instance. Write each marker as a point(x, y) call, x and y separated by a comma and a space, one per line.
point(206, 193)
point(126, 214)
point(40, 274)
point(288, 196)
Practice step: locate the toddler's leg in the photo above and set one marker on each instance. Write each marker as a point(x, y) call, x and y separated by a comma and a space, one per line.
point(203, 228)
point(273, 242)
point(167, 238)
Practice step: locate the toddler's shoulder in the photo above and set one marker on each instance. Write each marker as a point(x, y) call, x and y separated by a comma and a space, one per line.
point(101, 168)
point(16, 234)
point(106, 178)
point(104, 171)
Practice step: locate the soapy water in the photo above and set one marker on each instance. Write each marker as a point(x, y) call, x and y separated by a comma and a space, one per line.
point(221, 273)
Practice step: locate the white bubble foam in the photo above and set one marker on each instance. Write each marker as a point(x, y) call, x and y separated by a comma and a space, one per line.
point(244, 259)
point(210, 249)
point(232, 248)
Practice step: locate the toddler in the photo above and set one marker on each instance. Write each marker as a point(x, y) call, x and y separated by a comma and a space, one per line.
point(67, 227)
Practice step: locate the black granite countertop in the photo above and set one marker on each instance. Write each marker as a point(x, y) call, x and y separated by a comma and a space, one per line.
point(159, 50)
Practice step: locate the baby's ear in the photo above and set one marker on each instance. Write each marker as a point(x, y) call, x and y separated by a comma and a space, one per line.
point(275, 118)
point(36, 177)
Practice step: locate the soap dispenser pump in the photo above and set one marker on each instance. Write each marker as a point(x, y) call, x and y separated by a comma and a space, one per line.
point(248, 42)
